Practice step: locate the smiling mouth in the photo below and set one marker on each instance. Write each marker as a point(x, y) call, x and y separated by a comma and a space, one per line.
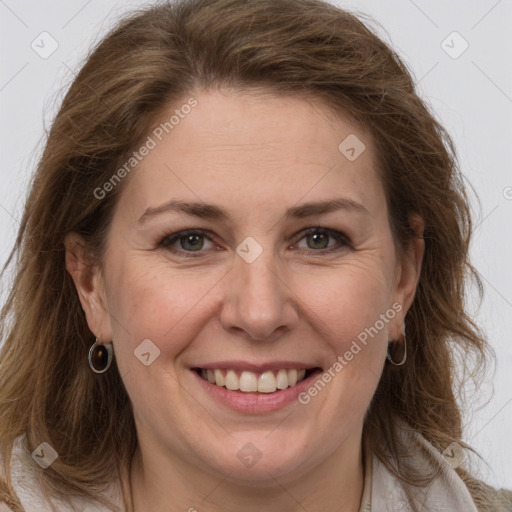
point(253, 382)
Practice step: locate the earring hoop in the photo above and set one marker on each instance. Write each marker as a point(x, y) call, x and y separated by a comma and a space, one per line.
point(404, 358)
point(100, 356)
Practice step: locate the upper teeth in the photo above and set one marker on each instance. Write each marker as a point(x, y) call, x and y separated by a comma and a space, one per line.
point(266, 382)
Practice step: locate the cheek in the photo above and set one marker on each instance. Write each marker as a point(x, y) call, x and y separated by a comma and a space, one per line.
point(346, 299)
point(151, 300)
point(351, 312)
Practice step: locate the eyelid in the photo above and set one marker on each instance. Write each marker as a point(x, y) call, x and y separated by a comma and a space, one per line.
point(168, 240)
point(175, 237)
point(339, 236)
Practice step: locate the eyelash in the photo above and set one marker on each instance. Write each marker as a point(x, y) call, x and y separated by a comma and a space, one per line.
point(169, 240)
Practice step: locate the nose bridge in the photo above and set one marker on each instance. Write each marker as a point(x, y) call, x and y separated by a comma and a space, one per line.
point(258, 300)
point(260, 280)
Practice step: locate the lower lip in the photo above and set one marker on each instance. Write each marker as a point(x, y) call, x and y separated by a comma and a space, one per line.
point(256, 403)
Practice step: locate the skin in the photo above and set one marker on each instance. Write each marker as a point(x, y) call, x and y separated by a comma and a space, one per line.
point(254, 156)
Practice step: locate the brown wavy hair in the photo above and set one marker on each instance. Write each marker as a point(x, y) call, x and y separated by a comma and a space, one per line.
point(158, 56)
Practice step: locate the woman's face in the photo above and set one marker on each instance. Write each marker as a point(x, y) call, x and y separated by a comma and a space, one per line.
point(284, 262)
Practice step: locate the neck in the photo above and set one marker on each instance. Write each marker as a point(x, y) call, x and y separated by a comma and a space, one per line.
point(159, 484)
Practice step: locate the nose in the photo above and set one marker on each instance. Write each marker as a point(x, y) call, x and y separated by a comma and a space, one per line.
point(259, 303)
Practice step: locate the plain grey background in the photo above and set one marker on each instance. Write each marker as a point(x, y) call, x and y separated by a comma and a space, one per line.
point(459, 53)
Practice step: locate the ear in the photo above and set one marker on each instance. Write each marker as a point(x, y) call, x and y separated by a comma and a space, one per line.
point(90, 287)
point(407, 274)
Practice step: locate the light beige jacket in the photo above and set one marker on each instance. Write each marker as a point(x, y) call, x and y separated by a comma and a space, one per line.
point(382, 492)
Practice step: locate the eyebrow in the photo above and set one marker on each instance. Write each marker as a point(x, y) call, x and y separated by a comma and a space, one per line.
point(213, 212)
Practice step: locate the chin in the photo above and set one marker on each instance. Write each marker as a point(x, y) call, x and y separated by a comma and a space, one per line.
point(257, 460)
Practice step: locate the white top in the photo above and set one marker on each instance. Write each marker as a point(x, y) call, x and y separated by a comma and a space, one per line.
point(382, 492)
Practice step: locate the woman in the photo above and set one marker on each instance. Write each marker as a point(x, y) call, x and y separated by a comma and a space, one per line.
point(240, 277)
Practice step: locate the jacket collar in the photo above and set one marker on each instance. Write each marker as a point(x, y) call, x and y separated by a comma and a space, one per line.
point(446, 492)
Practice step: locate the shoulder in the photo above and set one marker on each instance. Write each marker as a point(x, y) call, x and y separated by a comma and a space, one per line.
point(444, 491)
point(505, 498)
point(447, 491)
point(3, 505)
point(25, 478)
point(502, 501)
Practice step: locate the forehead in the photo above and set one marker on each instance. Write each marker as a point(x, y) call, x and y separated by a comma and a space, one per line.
point(252, 150)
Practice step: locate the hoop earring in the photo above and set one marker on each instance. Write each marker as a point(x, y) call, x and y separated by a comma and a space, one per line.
point(100, 357)
point(405, 352)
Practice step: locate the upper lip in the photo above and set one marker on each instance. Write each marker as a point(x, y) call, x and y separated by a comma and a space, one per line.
point(256, 368)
